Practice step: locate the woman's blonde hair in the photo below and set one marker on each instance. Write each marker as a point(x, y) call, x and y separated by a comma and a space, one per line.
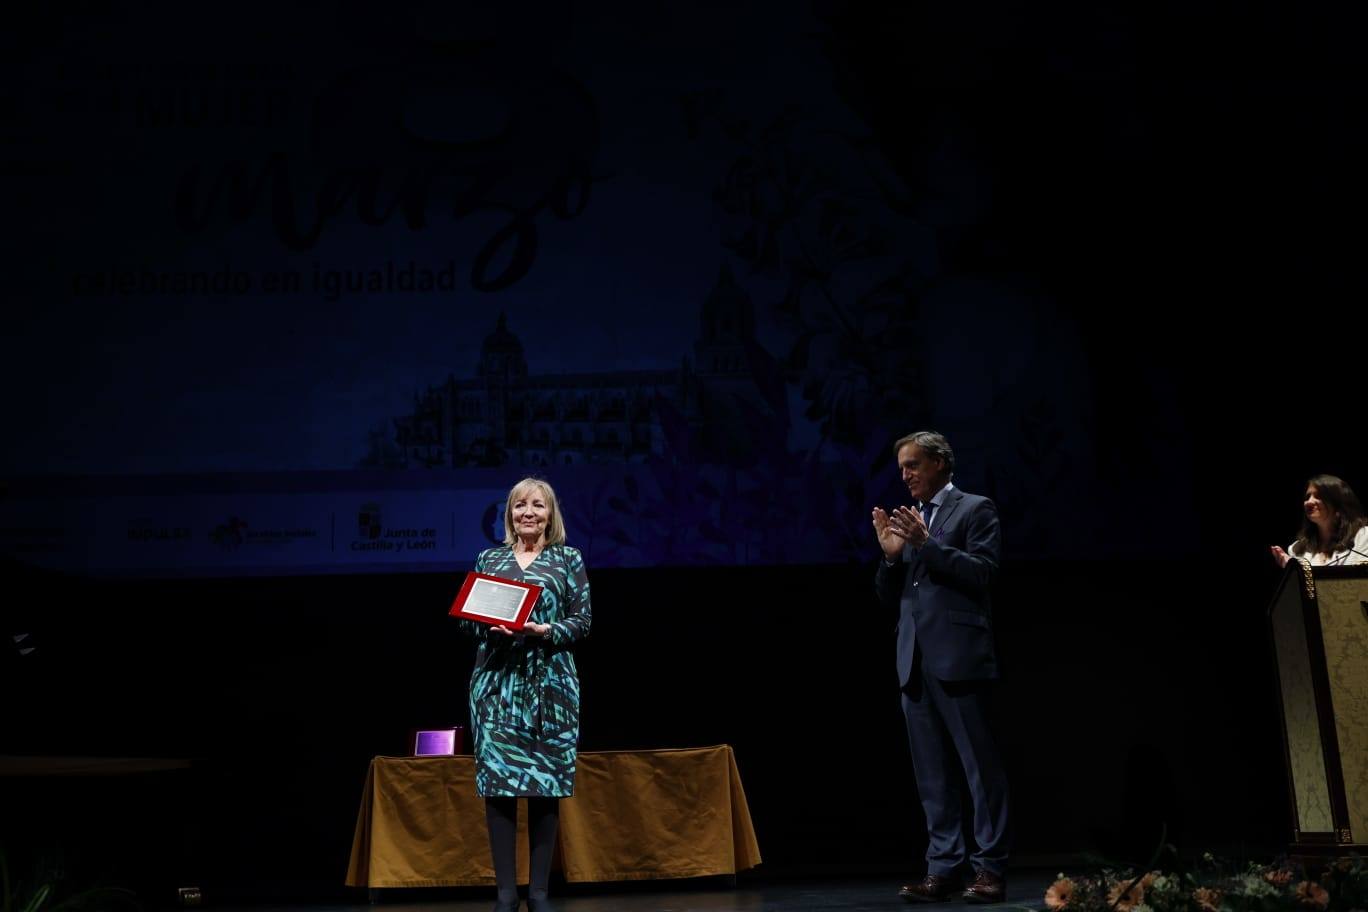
point(555, 526)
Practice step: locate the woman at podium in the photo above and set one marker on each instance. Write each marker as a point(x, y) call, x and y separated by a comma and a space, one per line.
point(1334, 531)
point(524, 690)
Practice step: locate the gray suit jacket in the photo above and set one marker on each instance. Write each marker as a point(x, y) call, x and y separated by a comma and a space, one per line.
point(941, 592)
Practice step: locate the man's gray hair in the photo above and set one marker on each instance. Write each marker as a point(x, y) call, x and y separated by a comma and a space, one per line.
point(933, 445)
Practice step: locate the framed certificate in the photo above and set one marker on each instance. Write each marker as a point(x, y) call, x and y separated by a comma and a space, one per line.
point(494, 600)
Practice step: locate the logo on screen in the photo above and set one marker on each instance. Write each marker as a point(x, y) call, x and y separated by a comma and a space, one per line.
point(368, 522)
point(229, 535)
point(493, 522)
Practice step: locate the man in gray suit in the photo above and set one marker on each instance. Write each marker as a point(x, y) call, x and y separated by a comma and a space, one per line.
point(939, 562)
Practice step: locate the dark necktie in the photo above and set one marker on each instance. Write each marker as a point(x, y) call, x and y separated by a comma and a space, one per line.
point(926, 509)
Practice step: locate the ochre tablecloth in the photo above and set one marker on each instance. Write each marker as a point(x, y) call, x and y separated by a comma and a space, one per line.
point(636, 815)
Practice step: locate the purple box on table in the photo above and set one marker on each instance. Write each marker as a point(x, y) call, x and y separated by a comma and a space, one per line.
point(439, 742)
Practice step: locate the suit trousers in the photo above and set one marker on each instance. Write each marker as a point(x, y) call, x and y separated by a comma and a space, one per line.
point(947, 723)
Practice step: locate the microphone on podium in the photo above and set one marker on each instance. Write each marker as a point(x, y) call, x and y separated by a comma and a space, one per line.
point(1346, 557)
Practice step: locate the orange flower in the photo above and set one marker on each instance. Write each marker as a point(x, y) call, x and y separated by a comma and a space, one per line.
point(1310, 893)
point(1123, 897)
point(1134, 896)
point(1060, 894)
point(1278, 878)
point(1207, 899)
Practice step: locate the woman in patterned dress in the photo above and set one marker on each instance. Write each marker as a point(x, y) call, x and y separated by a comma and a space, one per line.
point(524, 690)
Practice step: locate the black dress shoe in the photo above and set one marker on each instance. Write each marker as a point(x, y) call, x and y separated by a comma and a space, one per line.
point(540, 905)
point(986, 888)
point(501, 906)
point(931, 888)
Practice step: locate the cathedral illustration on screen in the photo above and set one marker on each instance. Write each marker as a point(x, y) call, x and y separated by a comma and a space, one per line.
point(712, 406)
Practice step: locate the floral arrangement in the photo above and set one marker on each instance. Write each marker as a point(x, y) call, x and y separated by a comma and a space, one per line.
point(1337, 886)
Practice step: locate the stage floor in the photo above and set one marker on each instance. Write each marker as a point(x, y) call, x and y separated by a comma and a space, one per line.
point(1025, 890)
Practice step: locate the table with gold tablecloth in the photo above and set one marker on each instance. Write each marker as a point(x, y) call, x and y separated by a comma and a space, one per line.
point(636, 815)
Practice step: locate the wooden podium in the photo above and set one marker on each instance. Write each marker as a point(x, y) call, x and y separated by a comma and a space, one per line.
point(1319, 624)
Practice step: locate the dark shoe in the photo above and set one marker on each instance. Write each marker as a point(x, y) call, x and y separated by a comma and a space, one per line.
point(933, 888)
point(986, 888)
point(539, 905)
point(501, 906)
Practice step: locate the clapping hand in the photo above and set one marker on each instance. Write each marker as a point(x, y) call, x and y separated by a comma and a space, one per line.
point(903, 526)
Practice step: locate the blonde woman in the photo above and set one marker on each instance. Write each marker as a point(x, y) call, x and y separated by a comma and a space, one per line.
point(524, 690)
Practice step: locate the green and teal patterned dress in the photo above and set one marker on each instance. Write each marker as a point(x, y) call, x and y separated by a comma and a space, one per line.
point(524, 691)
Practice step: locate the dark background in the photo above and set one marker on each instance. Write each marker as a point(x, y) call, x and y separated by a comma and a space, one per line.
point(1173, 192)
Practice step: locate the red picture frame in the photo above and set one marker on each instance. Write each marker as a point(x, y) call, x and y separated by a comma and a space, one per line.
point(495, 601)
